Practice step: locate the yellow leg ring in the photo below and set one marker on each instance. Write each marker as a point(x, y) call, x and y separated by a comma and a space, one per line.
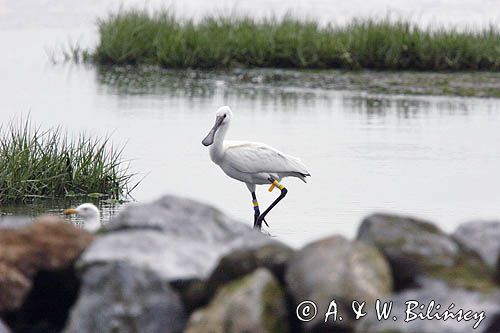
point(255, 204)
point(276, 184)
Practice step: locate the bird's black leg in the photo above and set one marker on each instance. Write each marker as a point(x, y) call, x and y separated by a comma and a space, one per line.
point(256, 212)
point(284, 191)
point(256, 209)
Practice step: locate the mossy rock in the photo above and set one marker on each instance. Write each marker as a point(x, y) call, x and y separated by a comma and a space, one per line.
point(254, 303)
point(482, 237)
point(234, 265)
point(238, 263)
point(417, 249)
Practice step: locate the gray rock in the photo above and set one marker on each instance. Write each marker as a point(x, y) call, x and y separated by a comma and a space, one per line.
point(482, 237)
point(3, 327)
point(337, 269)
point(177, 215)
point(254, 303)
point(440, 293)
point(118, 297)
point(417, 248)
point(411, 237)
point(236, 264)
point(178, 239)
point(242, 261)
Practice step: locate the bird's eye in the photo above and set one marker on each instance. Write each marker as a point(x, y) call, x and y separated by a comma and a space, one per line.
point(225, 115)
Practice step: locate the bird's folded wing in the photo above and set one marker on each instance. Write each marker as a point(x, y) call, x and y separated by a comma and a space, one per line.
point(255, 157)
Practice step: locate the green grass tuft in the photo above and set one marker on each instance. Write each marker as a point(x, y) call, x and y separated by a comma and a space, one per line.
point(36, 163)
point(136, 37)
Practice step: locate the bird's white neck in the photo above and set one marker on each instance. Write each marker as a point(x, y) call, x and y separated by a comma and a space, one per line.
point(92, 224)
point(217, 148)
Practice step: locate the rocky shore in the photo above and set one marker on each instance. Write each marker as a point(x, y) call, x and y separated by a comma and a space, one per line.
point(177, 265)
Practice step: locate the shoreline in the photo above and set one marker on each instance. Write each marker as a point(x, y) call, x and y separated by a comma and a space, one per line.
point(462, 84)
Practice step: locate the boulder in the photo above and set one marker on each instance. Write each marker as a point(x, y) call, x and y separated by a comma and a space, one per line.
point(46, 245)
point(255, 303)
point(241, 262)
point(178, 215)
point(418, 250)
point(482, 237)
point(337, 269)
point(233, 265)
point(118, 297)
point(179, 239)
point(441, 293)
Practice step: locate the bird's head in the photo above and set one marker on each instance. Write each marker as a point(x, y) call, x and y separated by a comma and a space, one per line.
point(86, 210)
point(222, 118)
point(224, 112)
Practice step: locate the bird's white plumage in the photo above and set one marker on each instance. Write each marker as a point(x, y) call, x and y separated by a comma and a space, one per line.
point(254, 157)
point(90, 215)
point(250, 162)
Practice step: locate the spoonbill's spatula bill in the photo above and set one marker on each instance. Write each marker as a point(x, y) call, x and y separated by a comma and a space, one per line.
point(251, 162)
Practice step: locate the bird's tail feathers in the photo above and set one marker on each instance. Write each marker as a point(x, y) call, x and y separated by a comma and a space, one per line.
point(301, 176)
point(299, 166)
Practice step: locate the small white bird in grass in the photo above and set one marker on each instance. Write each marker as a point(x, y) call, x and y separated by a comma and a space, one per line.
point(251, 162)
point(90, 214)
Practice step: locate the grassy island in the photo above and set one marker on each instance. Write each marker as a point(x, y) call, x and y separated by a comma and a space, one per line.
point(136, 37)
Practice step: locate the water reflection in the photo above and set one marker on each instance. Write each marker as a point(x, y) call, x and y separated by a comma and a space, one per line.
point(275, 87)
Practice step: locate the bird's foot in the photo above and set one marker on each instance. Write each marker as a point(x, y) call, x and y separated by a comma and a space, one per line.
point(258, 222)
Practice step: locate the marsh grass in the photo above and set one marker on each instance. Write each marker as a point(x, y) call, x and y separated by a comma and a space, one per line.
point(36, 163)
point(136, 37)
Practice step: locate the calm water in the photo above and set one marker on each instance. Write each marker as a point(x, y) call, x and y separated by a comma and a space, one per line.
point(434, 157)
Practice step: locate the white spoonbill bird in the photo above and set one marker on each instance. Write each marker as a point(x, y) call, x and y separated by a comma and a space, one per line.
point(251, 163)
point(90, 214)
